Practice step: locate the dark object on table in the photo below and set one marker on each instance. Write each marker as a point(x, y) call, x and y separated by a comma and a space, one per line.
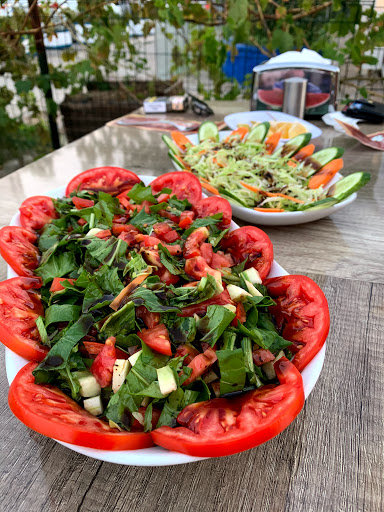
point(365, 109)
point(199, 107)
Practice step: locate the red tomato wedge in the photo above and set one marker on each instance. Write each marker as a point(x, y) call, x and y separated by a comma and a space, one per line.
point(48, 411)
point(112, 180)
point(93, 348)
point(212, 205)
point(184, 185)
point(20, 306)
point(301, 314)
point(16, 247)
point(200, 309)
point(200, 364)
point(36, 212)
point(56, 285)
point(224, 426)
point(252, 243)
point(102, 366)
point(157, 339)
point(150, 319)
point(81, 203)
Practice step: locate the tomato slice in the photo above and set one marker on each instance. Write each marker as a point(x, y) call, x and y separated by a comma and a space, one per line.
point(252, 243)
point(36, 212)
point(200, 309)
point(102, 366)
point(157, 339)
point(212, 205)
point(241, 315)
point(194, 242)
point(187, 350)
point(150, 319)
point(197, 268)
point(301, 314)
point(56, 285)
point(112, 180)
point(20, 306)
point(16, 247)
point(224, 426)
point(184, 185)
point(47, 410)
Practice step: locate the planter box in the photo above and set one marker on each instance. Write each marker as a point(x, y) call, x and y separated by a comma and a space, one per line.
point(104, 101)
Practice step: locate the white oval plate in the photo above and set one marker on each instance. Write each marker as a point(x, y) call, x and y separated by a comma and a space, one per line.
point(283, 218)
point(259, 116)
point(155, 456)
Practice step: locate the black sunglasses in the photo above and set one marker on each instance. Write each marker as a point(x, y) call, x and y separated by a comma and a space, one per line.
point(199, 107)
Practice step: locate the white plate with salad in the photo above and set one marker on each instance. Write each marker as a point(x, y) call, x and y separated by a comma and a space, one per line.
point(278, 120)
point(265, 183)
point(64, 292)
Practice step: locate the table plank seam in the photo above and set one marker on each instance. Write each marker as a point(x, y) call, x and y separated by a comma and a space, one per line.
point(89, 487)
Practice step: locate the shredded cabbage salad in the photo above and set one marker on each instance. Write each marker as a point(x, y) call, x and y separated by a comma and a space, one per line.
point(225, 164)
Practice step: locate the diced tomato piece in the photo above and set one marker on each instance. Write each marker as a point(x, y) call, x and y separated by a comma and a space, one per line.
point(198, 268)
point(81, 203)
point(221, 261)
point(200, 309)
point(171, 236)
point(105, 233)
point(161, 228)
point(102, 366)
point(82, 222)
point(157, 339)
point(128, 237)
point(93, 348)
point(166, 277)
point(150, 319)
point(56, 285)
point(241, 315)
point(194, 242)
point(200, 364)
point(206, 251)
point(186, 219)
point(117, 229)
point(262, 356)
point(169, 215)
point(120, 219)
point(186, 350)
point(163, 198)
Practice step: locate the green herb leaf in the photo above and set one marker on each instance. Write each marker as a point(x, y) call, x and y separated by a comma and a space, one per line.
point(58, 265)
point(171, 263)
point(120, 323)
point(200, 223)
point(213, 324)
point(232, 370)
point(61, 313)
point(139, 193)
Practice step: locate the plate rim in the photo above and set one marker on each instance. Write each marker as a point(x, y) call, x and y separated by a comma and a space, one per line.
point(142, 458)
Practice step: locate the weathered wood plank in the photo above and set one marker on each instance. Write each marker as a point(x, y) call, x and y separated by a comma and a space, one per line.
point(330, 458)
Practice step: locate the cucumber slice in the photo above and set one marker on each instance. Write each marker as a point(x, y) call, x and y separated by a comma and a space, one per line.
point(231, 197)
point(323, 157)
point(348, 185)
point(171, 145)
point(258, 132)
point(172, 156)
point(291, 147)
point(208, 130)
point(320, 205)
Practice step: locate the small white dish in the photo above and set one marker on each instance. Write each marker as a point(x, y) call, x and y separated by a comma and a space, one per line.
point(155, 456)
point(283, 218)
point(259, 116)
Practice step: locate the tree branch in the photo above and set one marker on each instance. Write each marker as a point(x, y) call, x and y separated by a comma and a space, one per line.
point(314, 10)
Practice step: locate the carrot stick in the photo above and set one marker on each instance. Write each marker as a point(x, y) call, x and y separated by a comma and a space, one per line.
point(304, 152)
point(291, 163)
point(270, 210)
point(270, 194)
point(272, 142)
point(208, 187)
point(202, 152)
point(214, 160)
point(325, 174)
point(241, 132)
point(115, 304)
point(180, 140)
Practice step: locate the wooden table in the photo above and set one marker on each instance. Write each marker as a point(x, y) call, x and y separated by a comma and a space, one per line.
point(329, 459)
